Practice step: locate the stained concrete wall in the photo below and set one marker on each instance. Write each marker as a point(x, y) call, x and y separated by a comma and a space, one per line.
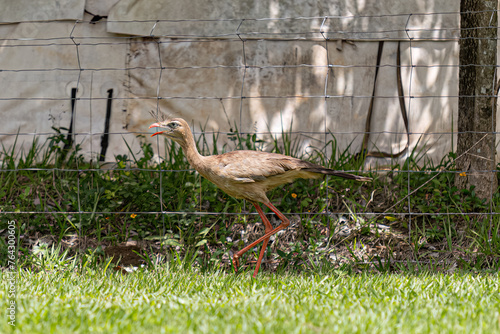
point(294, 68)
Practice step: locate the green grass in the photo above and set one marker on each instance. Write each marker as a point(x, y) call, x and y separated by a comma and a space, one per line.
point(172, 299)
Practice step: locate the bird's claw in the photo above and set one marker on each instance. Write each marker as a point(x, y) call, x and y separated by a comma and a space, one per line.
point(236, 262)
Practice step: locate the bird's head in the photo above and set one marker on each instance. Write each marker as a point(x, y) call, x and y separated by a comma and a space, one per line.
point(176, 129)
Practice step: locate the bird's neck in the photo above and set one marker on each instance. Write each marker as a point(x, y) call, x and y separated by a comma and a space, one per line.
point(190, 151)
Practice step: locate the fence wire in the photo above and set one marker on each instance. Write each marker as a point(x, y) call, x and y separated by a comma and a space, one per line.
point(241, 37)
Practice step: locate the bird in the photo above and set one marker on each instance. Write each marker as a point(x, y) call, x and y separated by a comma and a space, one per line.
point(246, 174)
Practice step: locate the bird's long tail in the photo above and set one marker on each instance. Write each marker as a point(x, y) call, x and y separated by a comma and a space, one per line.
point(328, 171)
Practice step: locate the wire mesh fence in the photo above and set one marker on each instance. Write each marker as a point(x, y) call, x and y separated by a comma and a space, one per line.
point(344, 91)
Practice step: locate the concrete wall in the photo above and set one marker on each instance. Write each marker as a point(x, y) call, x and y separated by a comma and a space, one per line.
point(294, 68)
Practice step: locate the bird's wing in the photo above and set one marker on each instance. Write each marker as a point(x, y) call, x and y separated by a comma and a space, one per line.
point(253, 166)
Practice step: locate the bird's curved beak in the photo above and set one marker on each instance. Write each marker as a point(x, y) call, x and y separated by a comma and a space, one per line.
point(155, 125)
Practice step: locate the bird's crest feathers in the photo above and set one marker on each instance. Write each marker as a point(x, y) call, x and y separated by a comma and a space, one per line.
point(160, 116)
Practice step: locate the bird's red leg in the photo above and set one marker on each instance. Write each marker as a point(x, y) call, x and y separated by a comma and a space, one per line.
point(284, 223)
point(269, 228)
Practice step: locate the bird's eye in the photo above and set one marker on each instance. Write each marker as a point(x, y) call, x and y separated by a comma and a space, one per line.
point(173, 125)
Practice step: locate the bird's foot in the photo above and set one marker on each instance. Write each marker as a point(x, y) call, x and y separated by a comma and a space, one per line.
point(236, 262)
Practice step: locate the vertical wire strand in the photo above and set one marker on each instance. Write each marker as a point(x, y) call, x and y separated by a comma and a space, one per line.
point(409, 125)
point(245, 67)
point(73, 120)
point(91, 134)
point(328, 67)
point(158, 98)
point(493, 124)
point(242, 97)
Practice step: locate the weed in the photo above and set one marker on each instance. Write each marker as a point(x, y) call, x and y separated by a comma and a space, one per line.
point(50, 189)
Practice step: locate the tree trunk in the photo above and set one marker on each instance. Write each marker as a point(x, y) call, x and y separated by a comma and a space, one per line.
point(476, 106)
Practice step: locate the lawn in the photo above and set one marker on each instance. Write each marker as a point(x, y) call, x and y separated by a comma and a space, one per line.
point(172, 299)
